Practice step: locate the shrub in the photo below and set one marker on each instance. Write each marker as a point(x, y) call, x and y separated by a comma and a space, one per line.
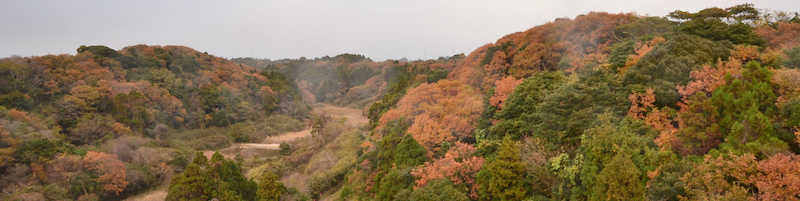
point(269, 187)
point(285, 148)
point(438, 190)
point(792, 58)
point(38, 150)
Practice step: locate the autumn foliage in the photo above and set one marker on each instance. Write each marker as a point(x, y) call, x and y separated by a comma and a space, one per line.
point(562, 44)
point(502, 89)
point(111, 171)
point(458, 165)
point(781, 35)
point(439, 112)
point(778, 177)
point(696, 105)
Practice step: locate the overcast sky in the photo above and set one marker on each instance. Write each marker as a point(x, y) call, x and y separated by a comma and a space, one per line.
point(272, 29)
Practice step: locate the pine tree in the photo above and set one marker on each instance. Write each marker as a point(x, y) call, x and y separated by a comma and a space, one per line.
point(204, 180)
point(409, 153)
point(192, 184)
point(745, 106)
point(438, 190)
point(502, 179)
point(620, 181)
point(269, 188)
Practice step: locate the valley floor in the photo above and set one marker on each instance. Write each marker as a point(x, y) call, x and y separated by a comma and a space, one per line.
point(351, 117)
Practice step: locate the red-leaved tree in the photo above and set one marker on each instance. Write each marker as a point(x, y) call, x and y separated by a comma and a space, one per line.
point(110, 170)
point(440, 112)
point(502, 89)
point(458, 165)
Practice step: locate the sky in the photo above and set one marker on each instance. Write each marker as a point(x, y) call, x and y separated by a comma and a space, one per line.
point(379, 29)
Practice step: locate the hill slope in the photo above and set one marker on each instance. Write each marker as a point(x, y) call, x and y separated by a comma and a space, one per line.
point(692, 106)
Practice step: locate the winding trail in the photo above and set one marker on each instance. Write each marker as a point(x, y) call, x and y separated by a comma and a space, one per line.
point(352, 117)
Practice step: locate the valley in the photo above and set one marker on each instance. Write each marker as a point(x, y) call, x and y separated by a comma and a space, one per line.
point(694, 105)
point(350, 116)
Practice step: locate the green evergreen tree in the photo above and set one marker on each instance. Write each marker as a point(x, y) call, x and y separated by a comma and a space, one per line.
point(409, 153)
point(792, 58)
point(670, 63)
point(746, 107)
point(192, 184)
point(612, 146)
point(503, 177)
point(715, 24)
point(397, 154)
point(269, 187)
point(228, 174)
point(437, 190)
point(619, 181)
point(204, 180)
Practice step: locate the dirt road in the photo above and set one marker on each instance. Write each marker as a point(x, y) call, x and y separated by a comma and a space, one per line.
point(352, 117)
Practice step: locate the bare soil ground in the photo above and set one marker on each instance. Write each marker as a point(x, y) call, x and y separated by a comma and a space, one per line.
point(159, 194)
point(287, 137)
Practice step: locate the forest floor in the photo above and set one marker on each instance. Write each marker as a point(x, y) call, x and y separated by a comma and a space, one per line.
point(352, 117)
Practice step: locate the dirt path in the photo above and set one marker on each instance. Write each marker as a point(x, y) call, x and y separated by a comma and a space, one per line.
point(159, 194)
point(352, 117)
point(287, 137)
point(298, 178)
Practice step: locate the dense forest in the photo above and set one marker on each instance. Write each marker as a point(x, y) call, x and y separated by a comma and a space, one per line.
point(690, 106)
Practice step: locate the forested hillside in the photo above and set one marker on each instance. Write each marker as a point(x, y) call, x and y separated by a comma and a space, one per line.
point(690, 106)
point(353, 80)
point(106, 124)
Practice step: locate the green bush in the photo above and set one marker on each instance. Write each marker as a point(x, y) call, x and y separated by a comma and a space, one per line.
point(504, 177)
point(38, 150)
point(269, 187)
point(17, 99)
point(211, 142)
point(435, 75)
point(321, 183)
point(218, 178)
point(236, 133)
point(437, 190)
point(619, 53)
point(99, 50)
point(792, 58)
point(285, 148)
point(670, 63)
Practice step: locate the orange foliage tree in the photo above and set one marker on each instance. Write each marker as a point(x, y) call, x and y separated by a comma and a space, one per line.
point(783, 34)
point(458, 165)
point(110, 170)
point(787, 82)
point(709, 78)
point(440, 112)
point(730, 177)
point(640, 103)
point(778, 178)
point(719, 178)
point(562, 44)
point(643, 108)
point(503, 88)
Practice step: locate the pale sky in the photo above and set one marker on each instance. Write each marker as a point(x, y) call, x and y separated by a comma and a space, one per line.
point(379, 29)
